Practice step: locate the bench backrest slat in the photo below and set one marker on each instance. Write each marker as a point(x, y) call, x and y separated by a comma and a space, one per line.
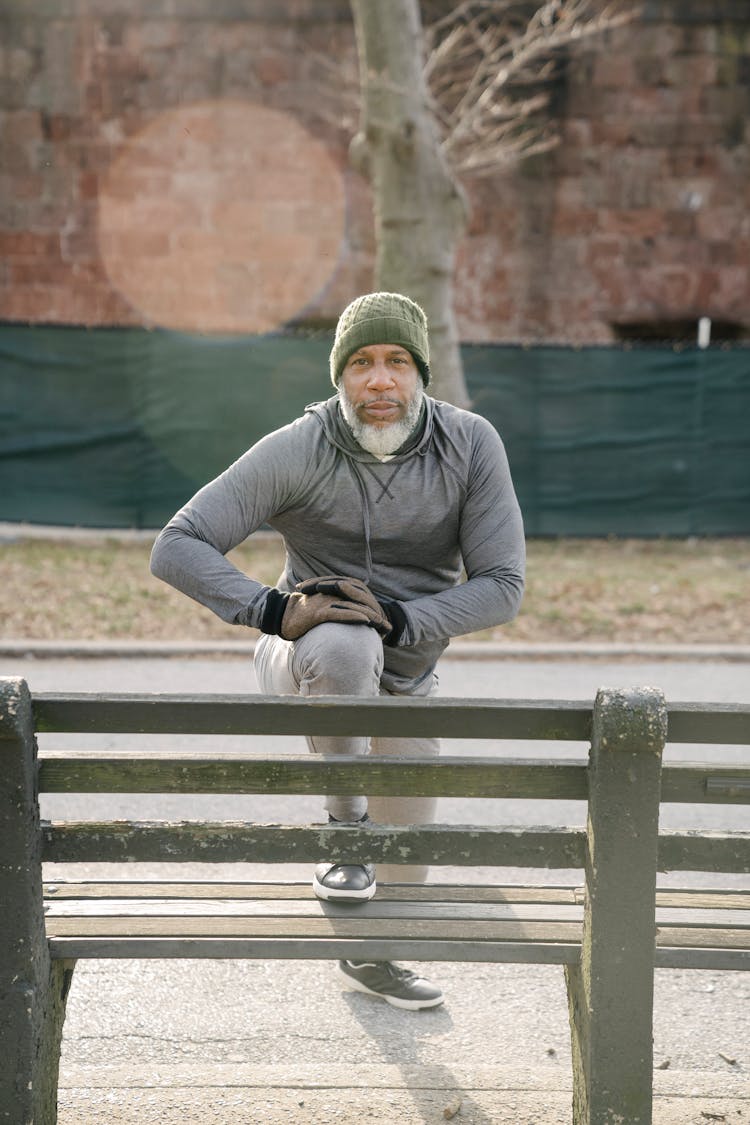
point(712, 723)
point(228, 842)
point(284, 715)
point(153, 771)
point(693, 784)
point(157, 772)
point(705, 851)
point(452, 845)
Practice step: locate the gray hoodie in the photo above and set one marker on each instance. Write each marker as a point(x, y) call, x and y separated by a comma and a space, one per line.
point(437, 527)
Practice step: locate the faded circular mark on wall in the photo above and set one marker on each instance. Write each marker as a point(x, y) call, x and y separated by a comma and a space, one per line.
point(221, 217)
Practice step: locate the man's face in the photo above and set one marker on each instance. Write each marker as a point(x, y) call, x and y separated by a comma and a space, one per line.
point(380, 383)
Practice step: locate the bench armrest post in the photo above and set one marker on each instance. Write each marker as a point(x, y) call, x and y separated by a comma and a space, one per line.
point(32, 988)
point(610, 994)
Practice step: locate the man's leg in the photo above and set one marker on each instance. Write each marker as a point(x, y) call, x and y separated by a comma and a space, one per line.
point(401, 988)
point(330, 659)
point(351, 663)
point(404, 810)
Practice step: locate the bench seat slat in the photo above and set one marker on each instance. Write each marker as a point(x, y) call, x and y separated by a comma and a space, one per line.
point(733, 960)
point(273, 929)
point(727, 899)
point(389, 892)
point(290, 908)
point(375, 949)
point(704, 936)
point(320, 926)
point(126, 910)
point(550, 953)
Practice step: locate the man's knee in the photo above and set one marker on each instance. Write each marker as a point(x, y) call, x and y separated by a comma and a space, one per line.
point(346, 658)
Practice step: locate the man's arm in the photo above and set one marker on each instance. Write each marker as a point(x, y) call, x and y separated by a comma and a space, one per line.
point(189, 553)
point(493, 551)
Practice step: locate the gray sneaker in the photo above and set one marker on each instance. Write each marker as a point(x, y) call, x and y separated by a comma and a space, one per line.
point(344, 882)
point(399, 987)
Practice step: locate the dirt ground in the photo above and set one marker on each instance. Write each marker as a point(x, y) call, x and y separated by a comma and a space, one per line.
point(687, 591)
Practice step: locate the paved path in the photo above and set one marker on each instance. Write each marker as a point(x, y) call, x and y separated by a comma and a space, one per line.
point(236, 1042)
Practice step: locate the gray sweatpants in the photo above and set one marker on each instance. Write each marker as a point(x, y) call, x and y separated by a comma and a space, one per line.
point(334, 659)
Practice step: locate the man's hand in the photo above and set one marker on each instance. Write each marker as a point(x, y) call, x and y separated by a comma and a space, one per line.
point(356, 592)
point(341, 586)
point(304, 611)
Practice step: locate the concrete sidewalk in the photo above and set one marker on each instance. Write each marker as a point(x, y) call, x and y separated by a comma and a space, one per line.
point(234, 1042)
point(380, 1095)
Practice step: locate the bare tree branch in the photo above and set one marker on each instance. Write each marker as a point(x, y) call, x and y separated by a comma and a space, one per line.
point(490, 65)
point(490, 69)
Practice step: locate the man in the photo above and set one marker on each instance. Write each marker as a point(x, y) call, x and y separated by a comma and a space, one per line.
point(401, 530)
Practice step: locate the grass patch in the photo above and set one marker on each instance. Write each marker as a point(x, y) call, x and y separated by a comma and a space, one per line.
point(657, 591)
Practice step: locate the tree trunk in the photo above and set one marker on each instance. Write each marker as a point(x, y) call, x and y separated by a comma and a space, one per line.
point(420, 211)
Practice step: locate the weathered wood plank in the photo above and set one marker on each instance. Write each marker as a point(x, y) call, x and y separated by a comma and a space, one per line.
point(733, 960)
point(371, 949)
point(717, 723)
point(689, 898)
point(389, 892)
point(702, 783)
point(730, 786)
point(320, 926)
point(703, 937)
point(697, 899)
point(551, 953)
point(156, 772)
point(403, 911)
point(204, 772)
point(713, 723)
point(282, 715)
point(229, 842)
point(449, 776)
point(705, 851)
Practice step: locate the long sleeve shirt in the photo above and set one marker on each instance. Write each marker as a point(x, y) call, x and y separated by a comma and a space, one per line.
point(437, 527)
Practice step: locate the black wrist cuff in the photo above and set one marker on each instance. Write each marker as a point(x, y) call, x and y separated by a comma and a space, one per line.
point(397, 618)
point(273, 612)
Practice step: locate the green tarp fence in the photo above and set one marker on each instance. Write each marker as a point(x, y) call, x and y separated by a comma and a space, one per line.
point(117, 428)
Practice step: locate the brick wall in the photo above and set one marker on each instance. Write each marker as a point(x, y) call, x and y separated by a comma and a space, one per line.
point(182, 165)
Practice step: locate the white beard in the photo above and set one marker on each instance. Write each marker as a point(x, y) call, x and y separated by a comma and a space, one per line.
point(382, 441)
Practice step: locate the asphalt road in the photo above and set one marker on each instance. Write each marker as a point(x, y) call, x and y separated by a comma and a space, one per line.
point(233, 1026)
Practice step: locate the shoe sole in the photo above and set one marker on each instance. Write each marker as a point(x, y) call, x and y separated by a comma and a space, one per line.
point(394, 1001)
point(329, 895)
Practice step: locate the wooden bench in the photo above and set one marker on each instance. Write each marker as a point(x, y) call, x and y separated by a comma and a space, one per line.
point(609, 933)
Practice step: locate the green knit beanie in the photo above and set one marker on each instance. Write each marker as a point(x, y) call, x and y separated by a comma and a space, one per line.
point(381, 318)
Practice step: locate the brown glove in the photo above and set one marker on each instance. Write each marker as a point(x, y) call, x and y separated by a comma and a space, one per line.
point(340, 585)
point(392, 621)
point(304, 611)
